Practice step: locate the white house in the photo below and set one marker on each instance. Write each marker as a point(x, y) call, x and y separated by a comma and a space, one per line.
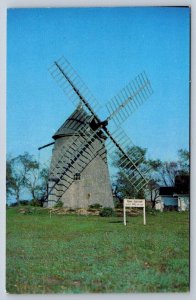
point(174, 197)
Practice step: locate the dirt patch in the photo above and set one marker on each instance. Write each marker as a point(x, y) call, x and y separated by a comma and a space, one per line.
point(54, 280)
point(79, 211)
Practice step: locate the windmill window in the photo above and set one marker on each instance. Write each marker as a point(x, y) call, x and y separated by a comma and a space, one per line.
point(77, 176)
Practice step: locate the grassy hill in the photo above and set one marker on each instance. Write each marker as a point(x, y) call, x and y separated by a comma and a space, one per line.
point(79, 254)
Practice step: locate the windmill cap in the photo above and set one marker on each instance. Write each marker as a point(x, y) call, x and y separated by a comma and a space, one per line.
point(73, 123)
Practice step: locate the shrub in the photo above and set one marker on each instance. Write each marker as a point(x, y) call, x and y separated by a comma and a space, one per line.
point(30, 210)
point(95, 206)
point(35, 202)
point(59, 204)
point(106, 212)
point(24, 202)
point(119, 205)
point(118, 202)
point(13, 204)
point(151, 211)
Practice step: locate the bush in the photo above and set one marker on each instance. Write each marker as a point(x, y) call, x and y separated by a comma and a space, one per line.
point(59, 204)
point(151, 211)
point(95, 206)
point(119, 205)
point(35, 202)
point(24, 202)
point(13, 204)
point(30, 210)
point(106, 212)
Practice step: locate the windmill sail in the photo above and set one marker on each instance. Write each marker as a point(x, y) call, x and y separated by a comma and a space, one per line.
point(129, 99)
point(131, 161)
point(72, 84)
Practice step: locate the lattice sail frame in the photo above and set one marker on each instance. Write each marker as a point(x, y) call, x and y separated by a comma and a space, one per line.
point(130, 161)
point(119, 107)
point(76, 80)
point(128, 100)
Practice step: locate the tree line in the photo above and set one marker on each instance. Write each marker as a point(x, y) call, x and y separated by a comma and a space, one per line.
point(25, 176)
point(161, 173)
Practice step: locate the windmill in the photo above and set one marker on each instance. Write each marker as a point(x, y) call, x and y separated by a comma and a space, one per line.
point(79, 165)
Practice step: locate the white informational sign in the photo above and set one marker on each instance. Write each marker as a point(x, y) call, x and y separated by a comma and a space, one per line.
point(134, 203)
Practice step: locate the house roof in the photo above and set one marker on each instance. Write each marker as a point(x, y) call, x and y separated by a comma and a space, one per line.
point(182, 187)
point(72, 124)
point(166, 190)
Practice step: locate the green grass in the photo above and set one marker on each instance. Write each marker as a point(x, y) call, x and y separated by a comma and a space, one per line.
point(79, 254)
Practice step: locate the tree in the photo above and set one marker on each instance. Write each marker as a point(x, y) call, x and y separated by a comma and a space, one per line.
point(153, 190)
point(9, 177)
point(42, 182)
point(184, 161)
point(17, 172)
point(164, 173)
point(22, 176)
point(122, 184)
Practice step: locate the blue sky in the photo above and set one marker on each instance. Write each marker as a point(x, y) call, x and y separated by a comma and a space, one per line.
point(108, 47)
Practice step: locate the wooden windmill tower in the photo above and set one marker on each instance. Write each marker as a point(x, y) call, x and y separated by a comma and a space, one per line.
point(86, 180)
point(79, 173)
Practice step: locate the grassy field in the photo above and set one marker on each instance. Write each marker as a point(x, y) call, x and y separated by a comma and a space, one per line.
point(79, 254)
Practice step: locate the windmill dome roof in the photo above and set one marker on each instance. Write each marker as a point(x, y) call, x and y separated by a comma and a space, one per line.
point(72, 124)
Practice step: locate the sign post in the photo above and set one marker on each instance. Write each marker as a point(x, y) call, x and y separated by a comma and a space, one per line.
point(124, 212)
point(134, 203)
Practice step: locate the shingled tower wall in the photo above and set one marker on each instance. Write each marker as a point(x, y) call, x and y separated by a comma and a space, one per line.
point(92, 184)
